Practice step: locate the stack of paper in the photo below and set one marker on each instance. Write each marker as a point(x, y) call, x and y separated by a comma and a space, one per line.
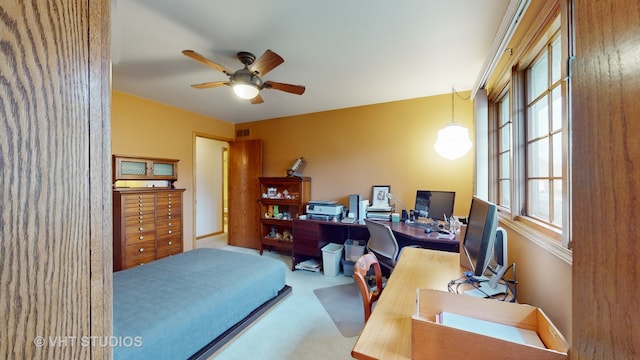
point(309, 265)
point(379, 212)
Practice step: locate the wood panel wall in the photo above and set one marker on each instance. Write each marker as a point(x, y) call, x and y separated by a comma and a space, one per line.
point(55, 208)
point(606, 180)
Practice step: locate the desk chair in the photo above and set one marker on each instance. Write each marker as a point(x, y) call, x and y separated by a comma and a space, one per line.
point(360, 270)
point(382, 243)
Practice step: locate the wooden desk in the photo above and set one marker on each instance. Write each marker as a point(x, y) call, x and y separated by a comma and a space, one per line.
point(387, 333)
point(412, 235)
point(310, 236)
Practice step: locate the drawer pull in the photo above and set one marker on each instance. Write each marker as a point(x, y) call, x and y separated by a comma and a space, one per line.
point(170, 242)
point(169, 224)
point(141, 237)
point(141, 249)
point(170, 231)
point(141, 229)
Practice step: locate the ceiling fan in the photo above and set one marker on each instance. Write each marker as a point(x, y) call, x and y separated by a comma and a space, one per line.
point(247, 82)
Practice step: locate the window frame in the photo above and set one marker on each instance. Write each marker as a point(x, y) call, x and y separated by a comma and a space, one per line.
point(557, 22)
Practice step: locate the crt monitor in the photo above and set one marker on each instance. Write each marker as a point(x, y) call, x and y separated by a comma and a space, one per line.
point(480, 236)
point(435, 204)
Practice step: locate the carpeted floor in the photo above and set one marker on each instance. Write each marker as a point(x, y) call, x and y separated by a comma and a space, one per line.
point(344, 304)
point(297, 328)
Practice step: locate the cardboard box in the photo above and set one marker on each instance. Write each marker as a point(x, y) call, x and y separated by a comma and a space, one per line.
point(431, 340)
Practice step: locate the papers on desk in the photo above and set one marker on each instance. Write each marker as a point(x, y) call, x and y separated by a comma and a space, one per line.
point(447, 235)
point(490, 328)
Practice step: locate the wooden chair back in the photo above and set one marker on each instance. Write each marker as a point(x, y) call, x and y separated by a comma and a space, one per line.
point(360, 270)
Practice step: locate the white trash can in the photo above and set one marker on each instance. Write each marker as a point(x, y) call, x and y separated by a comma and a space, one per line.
point(331, 256)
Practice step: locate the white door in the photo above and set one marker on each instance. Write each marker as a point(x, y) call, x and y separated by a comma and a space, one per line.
point(210, 185)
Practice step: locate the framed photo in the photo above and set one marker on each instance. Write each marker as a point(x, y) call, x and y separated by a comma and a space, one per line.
point(379, 196)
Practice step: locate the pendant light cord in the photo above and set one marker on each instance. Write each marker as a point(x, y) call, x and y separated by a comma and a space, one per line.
point(453, 91)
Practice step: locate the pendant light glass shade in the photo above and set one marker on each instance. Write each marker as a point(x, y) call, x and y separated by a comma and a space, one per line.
point(453, 139)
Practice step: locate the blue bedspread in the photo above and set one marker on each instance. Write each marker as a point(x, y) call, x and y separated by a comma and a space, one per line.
point(174, 306)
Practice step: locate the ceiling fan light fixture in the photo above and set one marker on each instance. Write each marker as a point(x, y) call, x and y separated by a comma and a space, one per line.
point(245, 84)
point(245, 91)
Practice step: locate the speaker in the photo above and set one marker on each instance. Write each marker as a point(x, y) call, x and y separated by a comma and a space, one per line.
point(354, 206)
point(362, 209)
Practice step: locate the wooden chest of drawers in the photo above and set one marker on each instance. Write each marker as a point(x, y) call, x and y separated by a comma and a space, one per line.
point(147, 225)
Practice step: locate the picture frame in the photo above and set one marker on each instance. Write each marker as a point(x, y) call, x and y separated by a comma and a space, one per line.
point(379, 197)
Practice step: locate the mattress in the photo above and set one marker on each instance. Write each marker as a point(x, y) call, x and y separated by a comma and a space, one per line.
point(172, 307)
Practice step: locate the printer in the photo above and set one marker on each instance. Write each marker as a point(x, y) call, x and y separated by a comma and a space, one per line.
point(324, 210)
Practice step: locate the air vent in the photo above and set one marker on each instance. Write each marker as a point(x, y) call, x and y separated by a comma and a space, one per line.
point(243, 133)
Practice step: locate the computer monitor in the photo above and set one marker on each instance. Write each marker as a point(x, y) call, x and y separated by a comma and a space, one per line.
point(480, 236)
point(435, 204)
point(498, 266)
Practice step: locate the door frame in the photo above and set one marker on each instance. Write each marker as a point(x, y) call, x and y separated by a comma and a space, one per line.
point(224, 182)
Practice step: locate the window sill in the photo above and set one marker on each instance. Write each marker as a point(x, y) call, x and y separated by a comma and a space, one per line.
point(544, 241)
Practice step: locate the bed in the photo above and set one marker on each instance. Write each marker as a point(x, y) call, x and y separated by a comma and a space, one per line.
point(189, 305)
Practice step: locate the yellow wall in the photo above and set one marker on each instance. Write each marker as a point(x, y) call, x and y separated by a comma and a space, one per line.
point(350, 150)
point(347, 150)
point(141, 127)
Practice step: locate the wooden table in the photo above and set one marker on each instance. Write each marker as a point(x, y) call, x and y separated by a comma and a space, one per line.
point(387, 333)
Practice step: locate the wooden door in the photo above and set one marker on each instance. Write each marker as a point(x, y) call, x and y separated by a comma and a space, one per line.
point(245, 170)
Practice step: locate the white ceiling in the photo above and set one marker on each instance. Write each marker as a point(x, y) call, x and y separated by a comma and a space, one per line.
point(346, 52)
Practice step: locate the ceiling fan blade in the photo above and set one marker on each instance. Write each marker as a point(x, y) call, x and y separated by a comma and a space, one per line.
point(293, 89)
point(257, 100)
point(201, 59)
point(209, 85)
point(267, 62)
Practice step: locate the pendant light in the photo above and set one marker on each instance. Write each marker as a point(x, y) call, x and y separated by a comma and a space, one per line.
point(453, 139)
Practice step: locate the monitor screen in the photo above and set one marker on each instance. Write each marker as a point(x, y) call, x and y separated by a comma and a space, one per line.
point(435, 204)
point(480, 236)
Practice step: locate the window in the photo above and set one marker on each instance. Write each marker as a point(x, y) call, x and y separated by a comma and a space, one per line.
point(529, 133)
point(544, 136)
point(504, 152)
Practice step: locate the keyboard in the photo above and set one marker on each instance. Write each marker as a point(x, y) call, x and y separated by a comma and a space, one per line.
point(423, 225)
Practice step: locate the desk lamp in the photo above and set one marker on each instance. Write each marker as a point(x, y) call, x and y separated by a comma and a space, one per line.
point(405, 213)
